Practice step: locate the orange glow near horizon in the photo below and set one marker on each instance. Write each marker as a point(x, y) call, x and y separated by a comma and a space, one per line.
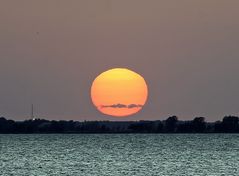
point(119, 92)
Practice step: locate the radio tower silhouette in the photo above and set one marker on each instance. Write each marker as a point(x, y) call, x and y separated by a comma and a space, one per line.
point(32, 113)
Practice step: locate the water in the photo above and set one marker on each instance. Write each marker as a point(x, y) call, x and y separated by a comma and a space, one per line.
point(119, 154)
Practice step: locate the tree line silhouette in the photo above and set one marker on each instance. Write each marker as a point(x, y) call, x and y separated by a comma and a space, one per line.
point(229, 124)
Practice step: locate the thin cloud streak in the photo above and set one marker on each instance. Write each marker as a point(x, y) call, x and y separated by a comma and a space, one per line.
point(130, 106)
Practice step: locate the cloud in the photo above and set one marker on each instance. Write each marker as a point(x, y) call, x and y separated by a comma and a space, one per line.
point(135, 106)
point(114, 106)
point(130, 106)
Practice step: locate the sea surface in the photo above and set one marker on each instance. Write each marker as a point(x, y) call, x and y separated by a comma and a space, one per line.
point(119, 154)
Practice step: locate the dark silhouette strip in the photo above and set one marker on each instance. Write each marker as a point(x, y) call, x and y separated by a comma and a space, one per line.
point(229, 124)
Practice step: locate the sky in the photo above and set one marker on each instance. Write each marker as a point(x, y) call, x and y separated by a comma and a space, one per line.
point(51, 51)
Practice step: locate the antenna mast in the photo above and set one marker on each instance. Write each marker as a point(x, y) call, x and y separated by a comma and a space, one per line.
point(32, 112)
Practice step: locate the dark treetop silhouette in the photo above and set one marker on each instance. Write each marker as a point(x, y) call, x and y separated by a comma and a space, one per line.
point(229, 124)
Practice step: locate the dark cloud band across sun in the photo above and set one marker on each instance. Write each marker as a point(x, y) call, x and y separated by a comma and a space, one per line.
point(130, 106)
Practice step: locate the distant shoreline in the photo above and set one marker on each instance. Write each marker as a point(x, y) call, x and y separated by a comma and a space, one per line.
point(229, 124)
point(107, 133)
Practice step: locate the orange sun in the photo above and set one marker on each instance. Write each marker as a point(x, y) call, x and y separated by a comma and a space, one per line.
point(119, 92)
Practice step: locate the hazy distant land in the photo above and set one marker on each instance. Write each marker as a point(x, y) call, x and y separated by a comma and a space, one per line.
point(229, 124)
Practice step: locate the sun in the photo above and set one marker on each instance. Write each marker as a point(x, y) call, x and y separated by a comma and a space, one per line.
point(119, 92)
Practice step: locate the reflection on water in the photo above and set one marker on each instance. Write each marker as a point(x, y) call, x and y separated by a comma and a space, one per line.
point(119, 154)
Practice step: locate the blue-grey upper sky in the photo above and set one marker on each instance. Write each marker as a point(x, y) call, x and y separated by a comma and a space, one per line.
point(187, 51)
